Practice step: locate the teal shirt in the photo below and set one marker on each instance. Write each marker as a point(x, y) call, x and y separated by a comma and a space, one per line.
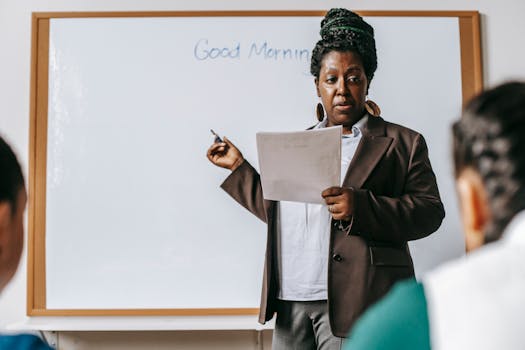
point(22, 342)
point(398, 321)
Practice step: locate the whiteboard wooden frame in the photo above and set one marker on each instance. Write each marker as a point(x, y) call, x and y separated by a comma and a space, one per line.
point(471, 77)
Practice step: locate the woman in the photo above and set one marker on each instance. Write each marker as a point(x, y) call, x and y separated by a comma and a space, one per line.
point(326, 263)
point(12, 207)
point(474, 303)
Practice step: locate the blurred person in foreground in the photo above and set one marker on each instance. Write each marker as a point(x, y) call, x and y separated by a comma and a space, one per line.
point(13, 200)
point(477, 302)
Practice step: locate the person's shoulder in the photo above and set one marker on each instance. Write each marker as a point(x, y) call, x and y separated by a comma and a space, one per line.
point(398, 129)
point(22, 342)
point(481, 267)
point(489, 273)
point(403, 137)
point(398, 321)
point(461, 295)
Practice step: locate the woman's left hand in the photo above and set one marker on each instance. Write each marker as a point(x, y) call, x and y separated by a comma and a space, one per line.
point(340, 202)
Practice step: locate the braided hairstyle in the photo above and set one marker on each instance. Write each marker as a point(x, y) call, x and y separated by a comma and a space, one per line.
point(343, 30)
point(490, 139)
point(11, 178)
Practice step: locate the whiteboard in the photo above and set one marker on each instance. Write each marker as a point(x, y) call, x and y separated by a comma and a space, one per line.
point(134, 216)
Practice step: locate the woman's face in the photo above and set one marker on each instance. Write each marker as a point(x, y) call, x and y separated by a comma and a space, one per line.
point(11, 237)
point(342, 86)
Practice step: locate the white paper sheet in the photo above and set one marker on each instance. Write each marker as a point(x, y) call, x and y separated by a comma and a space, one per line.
point(298, 166)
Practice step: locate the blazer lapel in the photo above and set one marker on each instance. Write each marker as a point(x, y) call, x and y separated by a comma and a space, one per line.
point(370, 150)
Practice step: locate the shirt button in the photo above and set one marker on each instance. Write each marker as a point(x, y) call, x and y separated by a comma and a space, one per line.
point(337, 257)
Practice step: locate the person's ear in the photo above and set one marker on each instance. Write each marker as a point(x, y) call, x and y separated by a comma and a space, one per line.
point(5, 219)
point(317, 87)
point(474, 208)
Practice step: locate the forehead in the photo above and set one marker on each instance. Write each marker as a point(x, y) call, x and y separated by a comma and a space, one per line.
point(341, 60)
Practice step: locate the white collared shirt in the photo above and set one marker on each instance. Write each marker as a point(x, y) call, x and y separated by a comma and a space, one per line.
point(304, 235)
point(478, 302)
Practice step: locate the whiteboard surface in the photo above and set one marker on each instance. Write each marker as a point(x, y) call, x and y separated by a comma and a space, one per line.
point(134, 214)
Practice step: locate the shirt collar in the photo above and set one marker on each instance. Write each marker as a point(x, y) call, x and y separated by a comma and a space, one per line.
point(356, 128)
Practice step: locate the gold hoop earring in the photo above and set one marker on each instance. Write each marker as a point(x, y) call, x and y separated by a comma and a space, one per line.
point(372, 108)
point(319, 110)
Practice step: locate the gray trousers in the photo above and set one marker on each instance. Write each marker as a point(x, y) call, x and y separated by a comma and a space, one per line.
point(303, 325)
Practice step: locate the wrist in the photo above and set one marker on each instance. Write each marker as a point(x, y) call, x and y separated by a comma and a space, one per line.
point(237, 163)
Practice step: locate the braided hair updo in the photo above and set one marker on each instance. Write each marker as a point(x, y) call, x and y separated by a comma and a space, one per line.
point(490, 139)
point(344, 30)
point(11, 178)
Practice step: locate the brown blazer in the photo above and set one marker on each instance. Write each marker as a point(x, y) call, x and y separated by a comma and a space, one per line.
point(396, 199)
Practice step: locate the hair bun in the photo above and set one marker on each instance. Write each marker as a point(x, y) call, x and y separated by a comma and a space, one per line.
point(342, 22)
point(343, 30)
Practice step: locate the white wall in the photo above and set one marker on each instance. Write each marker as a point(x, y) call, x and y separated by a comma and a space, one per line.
point(503, 59)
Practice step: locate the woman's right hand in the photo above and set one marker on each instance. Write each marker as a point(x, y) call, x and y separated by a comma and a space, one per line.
point(225, 155)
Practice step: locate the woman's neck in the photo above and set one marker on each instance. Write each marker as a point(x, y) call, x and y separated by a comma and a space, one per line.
point(347, 130)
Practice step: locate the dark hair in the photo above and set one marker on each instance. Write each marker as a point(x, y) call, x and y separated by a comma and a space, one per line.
point(344, 30)
point(490, 138)
point(11, 178)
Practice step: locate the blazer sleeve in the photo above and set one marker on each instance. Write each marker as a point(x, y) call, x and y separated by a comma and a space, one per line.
point(244, 185)
point(415, 214)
